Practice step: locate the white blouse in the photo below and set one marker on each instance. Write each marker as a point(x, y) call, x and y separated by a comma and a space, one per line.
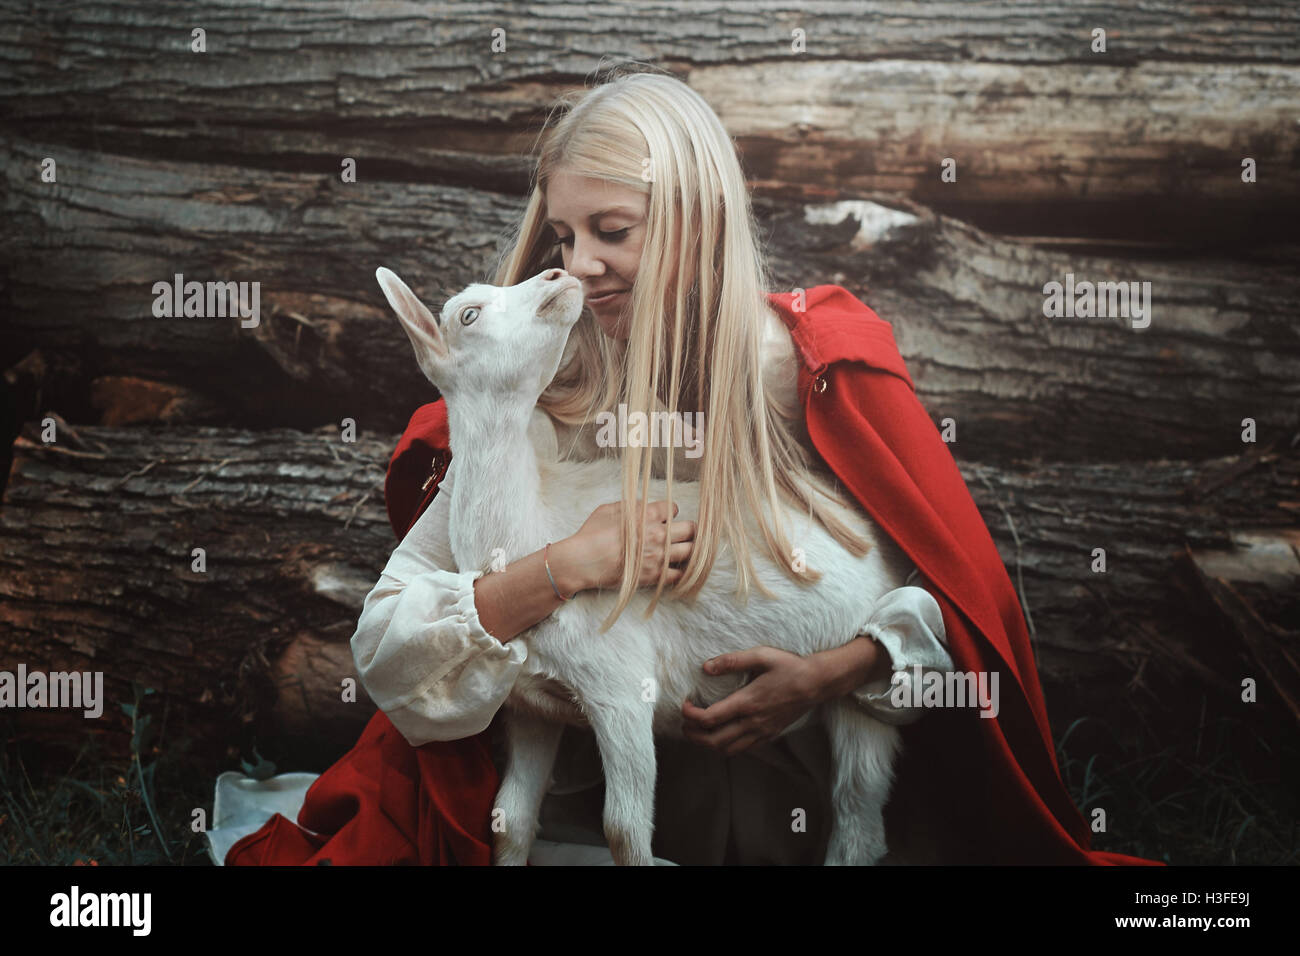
point(426, 661)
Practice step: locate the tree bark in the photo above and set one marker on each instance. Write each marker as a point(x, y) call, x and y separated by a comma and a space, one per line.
point(966, 307)
point(98, 539)
point(871, 96)
point(1074, 434)
point(97, 533)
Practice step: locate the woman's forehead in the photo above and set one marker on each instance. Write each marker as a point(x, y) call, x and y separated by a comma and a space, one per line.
point(569, 196)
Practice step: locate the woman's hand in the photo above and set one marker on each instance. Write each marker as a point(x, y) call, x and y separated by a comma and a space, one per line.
point(595, 551)
point(787, 687)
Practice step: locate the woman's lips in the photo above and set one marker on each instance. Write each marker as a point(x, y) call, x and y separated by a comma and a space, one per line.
point(602, 299)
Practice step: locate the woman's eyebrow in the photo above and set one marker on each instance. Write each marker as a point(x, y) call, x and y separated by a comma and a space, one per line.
point(597, 215)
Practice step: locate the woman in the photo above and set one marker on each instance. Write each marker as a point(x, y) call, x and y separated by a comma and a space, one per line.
point(639, 194)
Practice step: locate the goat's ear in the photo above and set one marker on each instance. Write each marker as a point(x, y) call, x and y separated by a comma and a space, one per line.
point(413, 313)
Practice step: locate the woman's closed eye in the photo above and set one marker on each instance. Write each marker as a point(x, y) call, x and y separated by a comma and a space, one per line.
point(616, 236)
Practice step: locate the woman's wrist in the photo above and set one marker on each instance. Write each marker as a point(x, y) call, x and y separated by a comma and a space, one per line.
point(844, 669)
point(512, 601)
point(568, 571)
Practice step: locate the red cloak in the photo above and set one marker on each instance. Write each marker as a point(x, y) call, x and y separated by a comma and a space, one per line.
point(984, 789)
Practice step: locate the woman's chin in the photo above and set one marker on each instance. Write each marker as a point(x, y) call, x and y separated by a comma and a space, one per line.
point(612, 324)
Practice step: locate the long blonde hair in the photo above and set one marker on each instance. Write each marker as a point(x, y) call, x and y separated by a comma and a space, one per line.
point(700, 248)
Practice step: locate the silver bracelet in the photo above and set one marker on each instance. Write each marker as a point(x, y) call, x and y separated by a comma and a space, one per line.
point(547, 565)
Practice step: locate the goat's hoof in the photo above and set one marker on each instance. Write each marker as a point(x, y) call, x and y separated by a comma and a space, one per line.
point(855, 853)
point(509, 854)
point(627, 851)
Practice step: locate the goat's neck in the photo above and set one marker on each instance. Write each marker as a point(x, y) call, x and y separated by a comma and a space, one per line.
point(497, 498)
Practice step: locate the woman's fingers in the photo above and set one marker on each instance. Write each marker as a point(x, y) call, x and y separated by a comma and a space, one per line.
point(681, 531)
point(731, 738)
point(660, 534)
point(657, 511)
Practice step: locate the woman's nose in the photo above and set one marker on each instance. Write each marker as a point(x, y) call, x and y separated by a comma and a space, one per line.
point(580, 266)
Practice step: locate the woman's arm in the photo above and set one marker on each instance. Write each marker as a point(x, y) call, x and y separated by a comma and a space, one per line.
point(434, 647)
point(907, 624)
point(512, 600)
point(426, 656)
point(843, 670)
point(905, 630)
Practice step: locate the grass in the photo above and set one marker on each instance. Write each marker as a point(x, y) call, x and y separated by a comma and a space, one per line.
point(1220, 796)
point(1223, 799)
point(105, 812)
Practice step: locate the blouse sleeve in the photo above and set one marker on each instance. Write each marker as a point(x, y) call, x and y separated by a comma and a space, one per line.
point(908, 623)
point(420, 650)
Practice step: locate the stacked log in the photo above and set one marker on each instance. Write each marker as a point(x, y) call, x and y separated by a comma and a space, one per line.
point(1171, 446)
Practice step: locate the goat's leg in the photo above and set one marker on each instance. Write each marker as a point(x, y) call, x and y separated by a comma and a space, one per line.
point(531, 746)
point(864, 750)
point(625, 735)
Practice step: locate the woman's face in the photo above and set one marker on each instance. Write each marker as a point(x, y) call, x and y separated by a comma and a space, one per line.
point(600, 227)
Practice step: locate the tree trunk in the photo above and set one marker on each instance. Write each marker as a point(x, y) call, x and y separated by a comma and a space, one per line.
point(1030, 110)
point(1170, 447)
point(967, 308)
point(98, 531)
point(98, 546)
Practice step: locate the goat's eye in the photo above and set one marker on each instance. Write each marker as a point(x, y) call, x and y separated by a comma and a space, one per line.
point(468, 316)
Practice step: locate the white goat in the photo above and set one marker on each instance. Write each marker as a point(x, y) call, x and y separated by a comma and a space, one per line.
point(491, 352)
